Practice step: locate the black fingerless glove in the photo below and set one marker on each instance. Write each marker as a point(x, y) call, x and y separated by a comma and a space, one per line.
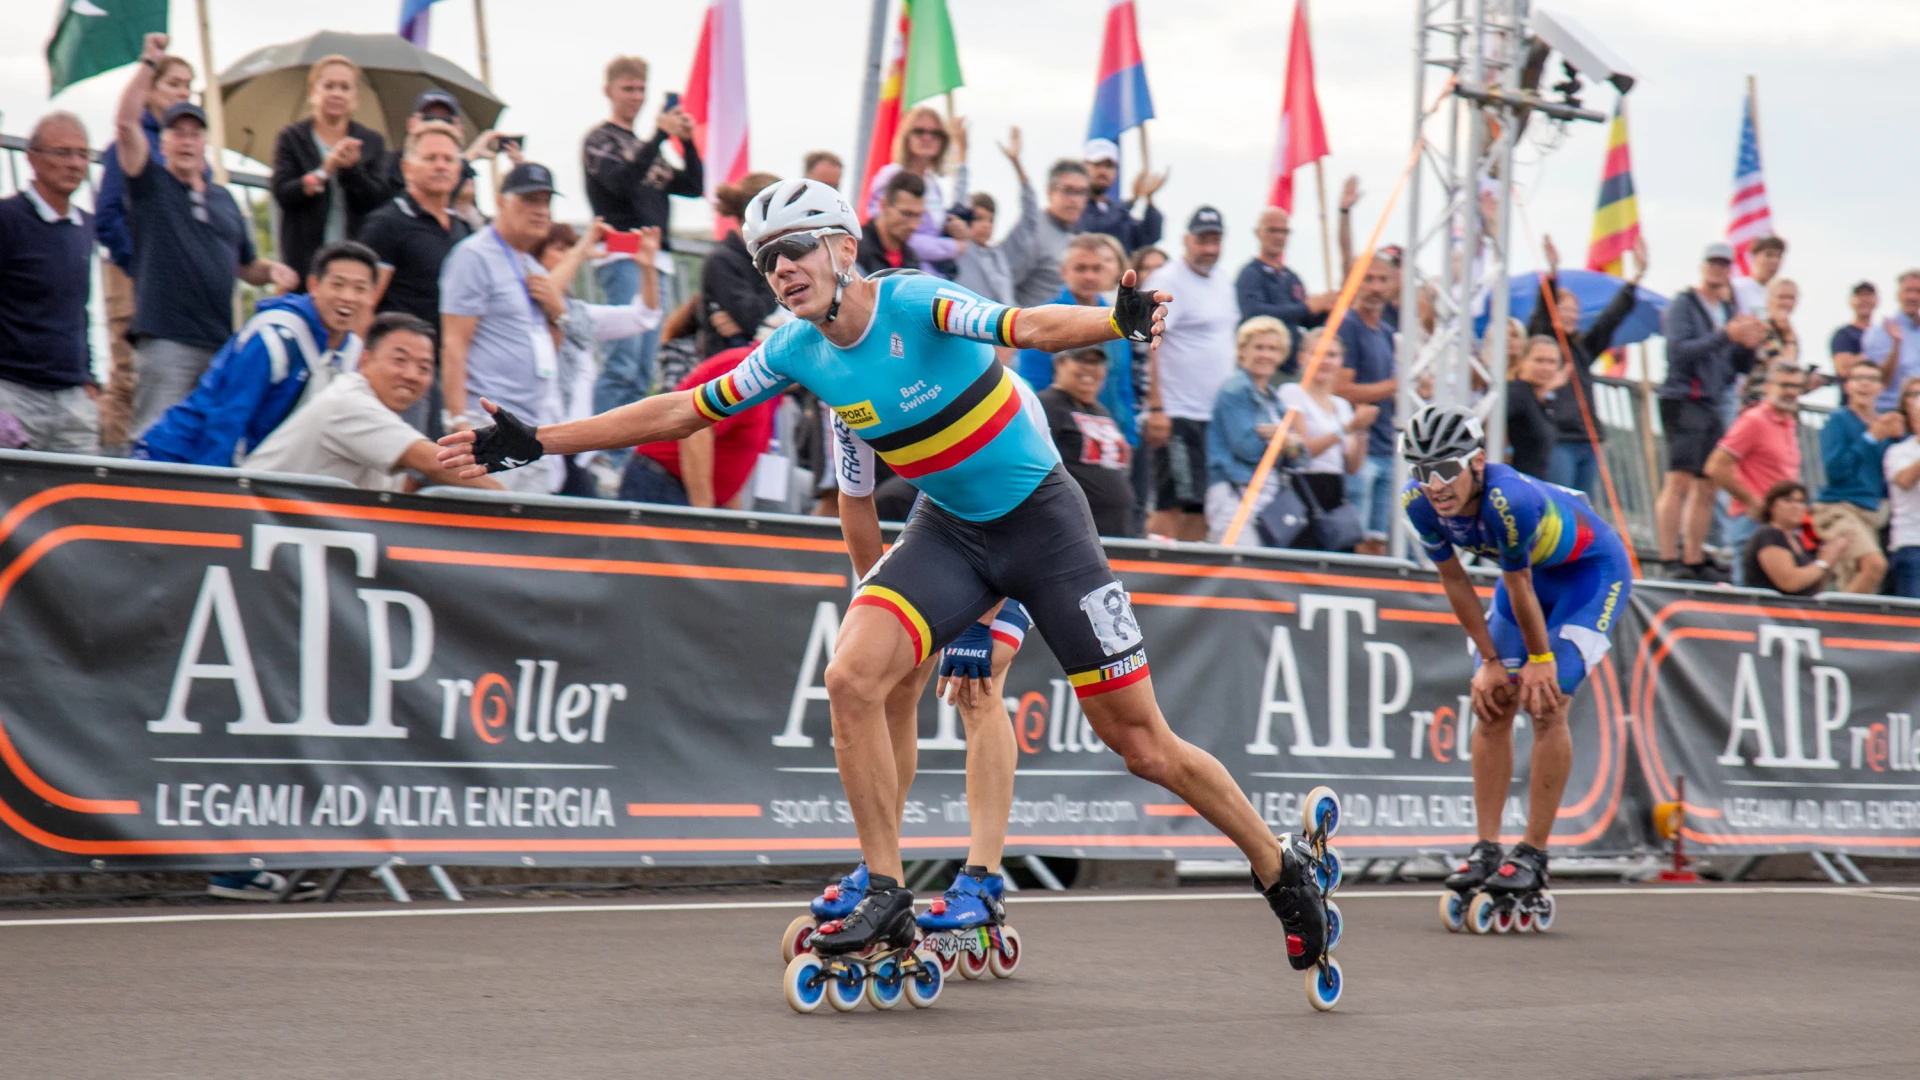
point(1132, 316)
point(508, 444)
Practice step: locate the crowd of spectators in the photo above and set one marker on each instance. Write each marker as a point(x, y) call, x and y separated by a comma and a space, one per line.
point(399, 303)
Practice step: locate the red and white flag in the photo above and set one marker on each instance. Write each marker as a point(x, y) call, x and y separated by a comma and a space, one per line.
point(1750, 218)
point(1303, 137)
point(716, 97)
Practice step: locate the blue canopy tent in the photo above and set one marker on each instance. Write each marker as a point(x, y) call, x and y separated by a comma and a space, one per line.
point(1595, 291)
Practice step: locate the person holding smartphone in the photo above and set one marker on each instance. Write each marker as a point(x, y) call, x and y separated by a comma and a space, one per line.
point(628, 180)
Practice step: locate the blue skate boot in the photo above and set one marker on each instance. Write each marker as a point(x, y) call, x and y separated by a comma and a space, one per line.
point(837, 901)
point(966, 927)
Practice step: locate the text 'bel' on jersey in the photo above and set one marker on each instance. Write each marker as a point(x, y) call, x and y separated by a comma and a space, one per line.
point(921, 387)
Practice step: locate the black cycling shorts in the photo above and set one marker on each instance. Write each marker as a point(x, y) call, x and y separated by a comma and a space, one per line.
point(944, 572)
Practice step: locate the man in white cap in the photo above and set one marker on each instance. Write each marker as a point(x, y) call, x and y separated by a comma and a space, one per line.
point(1106, 214)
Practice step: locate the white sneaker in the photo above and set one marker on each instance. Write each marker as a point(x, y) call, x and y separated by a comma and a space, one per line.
point(263, 885)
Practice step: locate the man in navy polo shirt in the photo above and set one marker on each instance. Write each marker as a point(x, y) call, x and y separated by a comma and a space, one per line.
point(46, 252)
point(1370, 378)
point(190, 242)
point(1267, 286)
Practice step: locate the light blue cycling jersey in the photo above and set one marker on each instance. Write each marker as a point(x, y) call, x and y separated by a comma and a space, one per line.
point(921, 386)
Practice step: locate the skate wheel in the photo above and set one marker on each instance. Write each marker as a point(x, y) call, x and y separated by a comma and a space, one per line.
point(843, 985)
point(1453, 911)
point(1333, 925)
point(1543, 915)
point(1320, 817)
point(1003, 960)
point(1480, 914)
point(885, 983)
point(797, 938)
point(948, 962)
point(973, 955)
point(1503, 919)
point(925, 981)
point(1328, 872)
point(1523, 921)
point(806, 983)
point(1324, 984)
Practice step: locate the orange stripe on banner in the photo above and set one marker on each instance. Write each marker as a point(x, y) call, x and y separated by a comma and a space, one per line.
point(1416, 615)
point(1177, 809)
point(1870, 644)
point(1825, 843)
point(25, 561)
point(1285, 577)
point(675, 809)
point(348, 512)
point(1218, 603)
point(614, 566)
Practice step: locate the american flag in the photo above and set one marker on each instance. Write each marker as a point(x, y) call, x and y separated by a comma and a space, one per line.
point(1749, 219)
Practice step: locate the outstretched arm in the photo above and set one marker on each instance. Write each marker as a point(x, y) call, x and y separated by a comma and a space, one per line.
point(1055, 327)
point(661, 418)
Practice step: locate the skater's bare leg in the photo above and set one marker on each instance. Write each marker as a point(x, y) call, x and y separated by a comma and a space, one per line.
point(991, 759)
point(1493, 762)
point(1129, 721)
point(1547, 780)
point(903, 728)
point(871, 657)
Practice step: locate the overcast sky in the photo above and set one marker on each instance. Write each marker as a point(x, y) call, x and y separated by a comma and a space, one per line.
point(1829, 91)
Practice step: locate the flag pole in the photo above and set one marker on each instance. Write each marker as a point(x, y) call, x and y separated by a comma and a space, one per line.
point(480, 38)
point(216, 102)
point(1326, 248)
point(870, 91)
point(1146, 158)
point(1646, 415)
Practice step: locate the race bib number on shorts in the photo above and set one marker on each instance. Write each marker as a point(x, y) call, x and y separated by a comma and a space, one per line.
point(1111, 615)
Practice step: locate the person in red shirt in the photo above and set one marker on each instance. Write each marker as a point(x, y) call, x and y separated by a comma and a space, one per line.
point(710, 467)
point(1761, 449)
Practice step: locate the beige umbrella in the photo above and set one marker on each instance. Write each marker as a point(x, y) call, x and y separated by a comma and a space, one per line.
point(267, 90)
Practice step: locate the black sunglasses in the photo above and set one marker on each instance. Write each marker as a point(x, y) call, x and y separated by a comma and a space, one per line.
point(795, 246)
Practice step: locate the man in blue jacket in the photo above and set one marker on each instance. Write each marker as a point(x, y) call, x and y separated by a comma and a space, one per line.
point(1105, 214)
point(172, 84)
point(289, 350)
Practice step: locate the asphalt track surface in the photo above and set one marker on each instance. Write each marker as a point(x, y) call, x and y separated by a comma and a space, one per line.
point(1641, 982)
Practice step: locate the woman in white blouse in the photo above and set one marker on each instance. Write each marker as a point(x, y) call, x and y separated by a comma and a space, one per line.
point(1334, 430)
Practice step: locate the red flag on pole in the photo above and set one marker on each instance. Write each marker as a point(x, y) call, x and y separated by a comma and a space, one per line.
point(1303, 137)
point(886, 119)
point(716, 97)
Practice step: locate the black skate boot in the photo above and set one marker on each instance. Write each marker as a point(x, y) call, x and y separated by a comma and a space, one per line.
point(1297, 898)
point(1481, 864)
point(1524, 871)
point(884, 917)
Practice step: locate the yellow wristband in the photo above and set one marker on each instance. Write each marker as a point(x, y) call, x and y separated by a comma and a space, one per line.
point(1115, 323)
point(1540, 658)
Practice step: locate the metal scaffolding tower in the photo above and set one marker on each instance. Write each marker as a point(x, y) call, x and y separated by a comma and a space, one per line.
point(1458, 201)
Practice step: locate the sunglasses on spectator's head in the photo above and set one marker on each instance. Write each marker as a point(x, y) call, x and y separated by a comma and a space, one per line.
point(794, 246)
point(1445, 471)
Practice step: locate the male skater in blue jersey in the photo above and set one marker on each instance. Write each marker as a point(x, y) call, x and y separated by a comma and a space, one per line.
point(1564, 575)
point(907, 362)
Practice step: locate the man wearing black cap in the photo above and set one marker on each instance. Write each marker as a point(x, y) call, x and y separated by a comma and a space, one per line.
point(432, 106)
point(1195, 357)
point(190, 242)
point(499, 320)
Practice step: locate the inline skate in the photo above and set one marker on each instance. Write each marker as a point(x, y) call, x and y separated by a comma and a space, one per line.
point(1516, 897)
point(835, 902)
point(1467, 879)
point(967, 927)
point(1310, 872)
point(873, 953)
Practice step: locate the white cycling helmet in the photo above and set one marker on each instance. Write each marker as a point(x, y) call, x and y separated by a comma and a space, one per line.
point(792, 206)
point(795, 206)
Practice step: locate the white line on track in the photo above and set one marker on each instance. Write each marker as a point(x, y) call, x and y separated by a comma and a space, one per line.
point(1886, 892)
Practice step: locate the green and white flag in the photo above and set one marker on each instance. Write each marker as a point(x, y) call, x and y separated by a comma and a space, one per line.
point(93, 36)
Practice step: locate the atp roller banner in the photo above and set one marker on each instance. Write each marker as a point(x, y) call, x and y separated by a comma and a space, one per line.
point(1791, 720)
point(207, 669)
